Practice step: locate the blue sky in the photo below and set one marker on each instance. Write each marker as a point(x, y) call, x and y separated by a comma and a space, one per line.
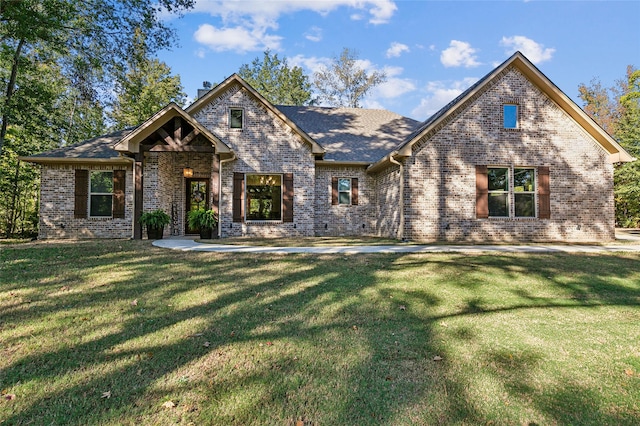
point(430, 50)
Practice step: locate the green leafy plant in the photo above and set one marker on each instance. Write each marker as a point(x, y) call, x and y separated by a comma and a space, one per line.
point(202, 219)
point(155, 219)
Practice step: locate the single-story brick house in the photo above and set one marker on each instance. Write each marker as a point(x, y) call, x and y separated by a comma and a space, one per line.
point(510, 159)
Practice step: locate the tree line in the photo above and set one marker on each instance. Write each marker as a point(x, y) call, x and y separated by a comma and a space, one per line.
point(71, 70)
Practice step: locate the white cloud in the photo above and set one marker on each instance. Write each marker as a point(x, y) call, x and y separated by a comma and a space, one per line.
point(257, 19)
point(379, 11)
point(312, 63)
point(393, 88)
point(314, 34)
point(396, 49)
point(459, 53)
point(535, 52)
point(237, 38)
point(440, 93)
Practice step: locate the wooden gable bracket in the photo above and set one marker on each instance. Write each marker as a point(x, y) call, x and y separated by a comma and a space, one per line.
point(167, 138)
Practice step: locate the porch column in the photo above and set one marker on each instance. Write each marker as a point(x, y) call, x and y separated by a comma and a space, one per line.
point(215, 183)
point(138, 199)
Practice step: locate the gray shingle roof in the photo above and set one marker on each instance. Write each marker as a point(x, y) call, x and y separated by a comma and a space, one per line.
point(352, 134)
point(100, 147)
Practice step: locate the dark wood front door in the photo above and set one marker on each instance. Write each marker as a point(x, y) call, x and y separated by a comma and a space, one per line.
point(197, 198)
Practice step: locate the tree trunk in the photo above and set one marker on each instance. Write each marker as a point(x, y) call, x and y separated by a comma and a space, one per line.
point(11, 86)
point(14, 198)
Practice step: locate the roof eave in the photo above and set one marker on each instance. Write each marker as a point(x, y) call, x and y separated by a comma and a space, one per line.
point(121, 160)
point(131, 142)
point(616, 152)
point(343, 163)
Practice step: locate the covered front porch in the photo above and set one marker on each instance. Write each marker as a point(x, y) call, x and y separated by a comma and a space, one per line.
point(176, 168)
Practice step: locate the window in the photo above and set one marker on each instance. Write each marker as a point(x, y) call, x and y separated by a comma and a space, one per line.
point(344, 191)
point(100, 194)
point(236, 116)
point(522, 193)
point(264, 197)
point(510, 116)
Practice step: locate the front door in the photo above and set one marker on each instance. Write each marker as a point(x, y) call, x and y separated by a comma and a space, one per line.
point(197, 198)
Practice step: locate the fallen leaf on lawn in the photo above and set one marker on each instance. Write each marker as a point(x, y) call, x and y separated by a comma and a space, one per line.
point(233, 333)
point(135, 302)
point(206, 344)
point(437, 358)
point(299, 423)
point(355, 327)
point(269, 344)
point(629, 372)
point(169, 404)
point(403, 308)
point(106, 394)
point(388, 378)
point(9, 396)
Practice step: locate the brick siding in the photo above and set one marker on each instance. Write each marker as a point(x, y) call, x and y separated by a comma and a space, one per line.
point(57, 206)
point(266, 144)
point(440, 175)
point(344, 220)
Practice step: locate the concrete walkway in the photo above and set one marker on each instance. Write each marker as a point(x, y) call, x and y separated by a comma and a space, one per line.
point(187, 244)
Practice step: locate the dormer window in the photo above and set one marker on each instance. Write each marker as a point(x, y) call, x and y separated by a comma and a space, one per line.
point(510, 116)
point(236, 118)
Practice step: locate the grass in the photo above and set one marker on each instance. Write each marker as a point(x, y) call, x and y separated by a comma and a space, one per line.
point(241, 339)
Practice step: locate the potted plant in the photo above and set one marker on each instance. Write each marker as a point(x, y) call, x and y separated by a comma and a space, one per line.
point(155, 221)
point(206, 221)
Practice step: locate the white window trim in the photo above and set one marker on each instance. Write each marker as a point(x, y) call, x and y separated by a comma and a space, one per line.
point(350, 191)
point(246, 199)
point(91, 194)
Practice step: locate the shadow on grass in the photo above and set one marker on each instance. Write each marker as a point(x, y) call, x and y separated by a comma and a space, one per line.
point(318, 339)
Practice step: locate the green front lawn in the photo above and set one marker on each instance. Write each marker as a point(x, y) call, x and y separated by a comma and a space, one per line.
point(120, 332)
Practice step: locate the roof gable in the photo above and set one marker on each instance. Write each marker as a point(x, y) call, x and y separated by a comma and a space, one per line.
point(131, 142)
point(198, 105)
point(536, 77)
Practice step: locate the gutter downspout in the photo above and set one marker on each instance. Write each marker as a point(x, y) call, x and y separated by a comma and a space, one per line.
point(233, 157)
point(133, 190)
point(401, 196)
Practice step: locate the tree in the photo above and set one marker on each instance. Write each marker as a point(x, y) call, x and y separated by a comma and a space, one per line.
point(144, 87)
point(278, 83)
point(617, 109)
point(58, 62)
point(89, 38)
point(344, 83)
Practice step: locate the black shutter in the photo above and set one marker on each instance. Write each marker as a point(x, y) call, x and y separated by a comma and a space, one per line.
point(81, 194)
point(334, 191)
point(287, 197)
point(119, 185)
point(354, 191)
point(238, 197)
